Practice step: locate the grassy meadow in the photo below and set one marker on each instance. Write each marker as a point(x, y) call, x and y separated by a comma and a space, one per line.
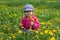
point(47, 12)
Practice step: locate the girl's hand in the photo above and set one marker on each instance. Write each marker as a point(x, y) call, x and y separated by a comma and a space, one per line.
point(32, 23)
point(20, 24)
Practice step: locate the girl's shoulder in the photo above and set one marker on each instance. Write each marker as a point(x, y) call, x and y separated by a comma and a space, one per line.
point(34, 16)
point(23, 17)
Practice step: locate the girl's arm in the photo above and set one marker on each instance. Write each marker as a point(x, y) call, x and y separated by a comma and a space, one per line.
point(21, 25)
point(36, 24)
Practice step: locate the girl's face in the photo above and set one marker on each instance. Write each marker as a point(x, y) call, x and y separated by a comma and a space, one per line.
point(28, 13)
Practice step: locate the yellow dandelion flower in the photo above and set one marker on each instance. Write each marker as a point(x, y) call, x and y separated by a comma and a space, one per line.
point(52, 38)
point(49, 23)
point(32, 20)
point(54, 30)
point(15, 14)
point(10, 37)
point(19, 31)
point(36, 31)
point(30, 16)
point(41, 33)
point(46, 31)
point(13, 35)
point(50, 32)
point(5, 26)
point(58, 31)
point(42, 23)
point(43, 27)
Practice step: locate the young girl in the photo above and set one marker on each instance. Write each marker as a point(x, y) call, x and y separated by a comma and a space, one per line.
point(29, 21)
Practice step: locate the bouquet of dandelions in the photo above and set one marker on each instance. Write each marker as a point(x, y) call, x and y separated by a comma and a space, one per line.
point(32, 20)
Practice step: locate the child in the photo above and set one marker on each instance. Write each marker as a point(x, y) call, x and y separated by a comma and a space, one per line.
point(29, 20)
